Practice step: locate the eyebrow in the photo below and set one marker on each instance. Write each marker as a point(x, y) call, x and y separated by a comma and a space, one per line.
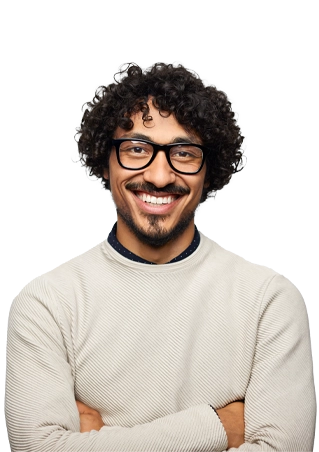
point(141, 136)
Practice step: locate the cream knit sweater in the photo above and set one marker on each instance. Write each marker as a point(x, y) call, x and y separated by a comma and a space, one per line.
point(150, 347)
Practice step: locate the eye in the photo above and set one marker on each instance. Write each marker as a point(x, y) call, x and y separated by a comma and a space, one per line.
point(136, 150)
point(185, 152)
point(181, 154)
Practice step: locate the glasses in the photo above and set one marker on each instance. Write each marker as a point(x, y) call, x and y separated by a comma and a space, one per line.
point(184, 158)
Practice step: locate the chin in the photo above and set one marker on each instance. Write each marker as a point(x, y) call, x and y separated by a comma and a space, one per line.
point(156, 235)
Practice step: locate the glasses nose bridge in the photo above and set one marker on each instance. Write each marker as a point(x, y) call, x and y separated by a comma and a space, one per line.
point(161, 147)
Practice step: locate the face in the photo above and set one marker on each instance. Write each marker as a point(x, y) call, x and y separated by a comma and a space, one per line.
point(155, 205)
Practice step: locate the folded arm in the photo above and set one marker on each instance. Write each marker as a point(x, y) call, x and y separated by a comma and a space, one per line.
point(42, 414)
point(280, 404)
point(41, 410)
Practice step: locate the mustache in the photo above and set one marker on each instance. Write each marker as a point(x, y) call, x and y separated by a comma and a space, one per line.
point(148, 187)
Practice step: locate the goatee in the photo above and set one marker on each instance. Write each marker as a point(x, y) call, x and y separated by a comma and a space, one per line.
point(156, 235)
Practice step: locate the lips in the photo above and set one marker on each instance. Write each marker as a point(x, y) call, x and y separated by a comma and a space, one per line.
point(144, 201)
point(157, 194)
point(156, 200)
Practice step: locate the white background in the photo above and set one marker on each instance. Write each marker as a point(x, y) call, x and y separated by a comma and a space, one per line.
point(263, 54)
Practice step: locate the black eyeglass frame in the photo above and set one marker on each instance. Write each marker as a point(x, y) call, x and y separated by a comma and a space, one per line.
point(158, 147)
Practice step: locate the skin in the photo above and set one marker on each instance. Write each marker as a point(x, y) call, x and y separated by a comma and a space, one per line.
point(232, 418)
point(161, 130)
point(161, 219)
point(89, 419)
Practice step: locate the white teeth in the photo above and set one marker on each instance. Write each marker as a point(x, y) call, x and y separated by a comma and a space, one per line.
point(156, 200)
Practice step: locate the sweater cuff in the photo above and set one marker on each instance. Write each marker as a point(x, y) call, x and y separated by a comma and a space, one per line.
point(214, 410)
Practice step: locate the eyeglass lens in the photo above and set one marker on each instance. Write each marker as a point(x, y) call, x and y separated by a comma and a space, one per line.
point(137, 154)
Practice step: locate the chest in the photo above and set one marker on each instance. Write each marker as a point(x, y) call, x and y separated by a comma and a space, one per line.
point(141, 354)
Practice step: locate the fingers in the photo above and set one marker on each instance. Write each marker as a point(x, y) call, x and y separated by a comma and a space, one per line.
point(84, 409)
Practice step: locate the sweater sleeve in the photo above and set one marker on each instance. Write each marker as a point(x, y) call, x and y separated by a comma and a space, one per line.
point(40, 404)
point(280, 405)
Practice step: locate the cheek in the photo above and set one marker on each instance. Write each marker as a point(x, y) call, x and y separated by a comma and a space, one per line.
point(198, 185)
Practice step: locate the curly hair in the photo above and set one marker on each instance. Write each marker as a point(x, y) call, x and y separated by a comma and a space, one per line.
point(174, 90)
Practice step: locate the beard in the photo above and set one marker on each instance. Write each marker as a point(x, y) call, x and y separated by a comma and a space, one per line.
point(156, 234)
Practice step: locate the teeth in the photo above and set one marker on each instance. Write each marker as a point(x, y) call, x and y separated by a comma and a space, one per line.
point(156, 200)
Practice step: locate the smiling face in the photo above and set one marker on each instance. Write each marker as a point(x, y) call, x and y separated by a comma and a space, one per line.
point(155, 205)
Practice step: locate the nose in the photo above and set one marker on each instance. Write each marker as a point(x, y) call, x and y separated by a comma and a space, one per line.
point(159, 173)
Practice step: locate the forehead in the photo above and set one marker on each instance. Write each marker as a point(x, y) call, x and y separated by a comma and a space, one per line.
point(160, 129)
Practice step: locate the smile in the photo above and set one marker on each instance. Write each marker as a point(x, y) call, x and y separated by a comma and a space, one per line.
point(159, 205)
point(151, 199)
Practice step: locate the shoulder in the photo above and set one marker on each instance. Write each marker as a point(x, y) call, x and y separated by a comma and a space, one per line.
point(61, 283)
point(80, 265)
point(232, 263)
point(250, 278)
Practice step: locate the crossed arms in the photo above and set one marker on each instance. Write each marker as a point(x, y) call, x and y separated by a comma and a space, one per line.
point(231, 416)
point(42, 414)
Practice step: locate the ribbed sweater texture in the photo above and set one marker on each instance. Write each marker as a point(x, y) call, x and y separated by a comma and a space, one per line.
point(151, 347)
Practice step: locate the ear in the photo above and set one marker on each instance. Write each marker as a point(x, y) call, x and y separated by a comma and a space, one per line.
point(106, 173)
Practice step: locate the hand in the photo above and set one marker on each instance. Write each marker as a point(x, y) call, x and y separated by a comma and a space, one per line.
point(89, 419)
point(232, 418)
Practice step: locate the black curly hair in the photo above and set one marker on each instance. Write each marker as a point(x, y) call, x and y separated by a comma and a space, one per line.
point(174, 90)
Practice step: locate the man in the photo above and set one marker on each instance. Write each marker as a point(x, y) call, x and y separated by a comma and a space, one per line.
point(158, 339)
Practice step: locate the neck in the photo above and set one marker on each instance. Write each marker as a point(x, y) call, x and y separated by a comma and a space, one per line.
point(158, 255)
